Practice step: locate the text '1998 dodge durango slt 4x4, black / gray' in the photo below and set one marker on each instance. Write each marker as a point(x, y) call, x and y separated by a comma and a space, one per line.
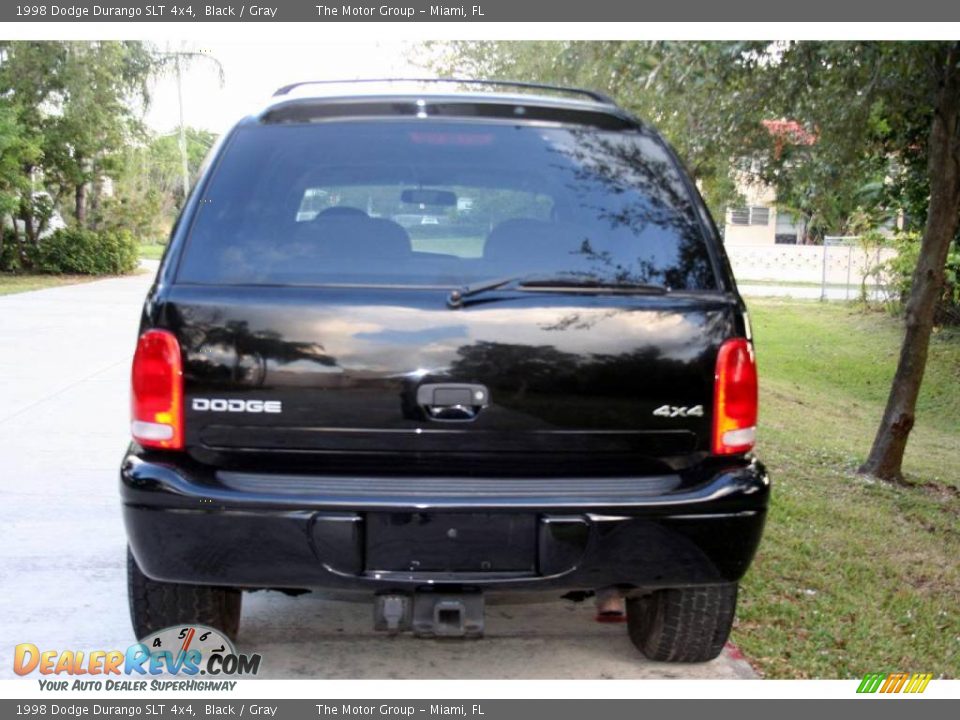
point(425, 342)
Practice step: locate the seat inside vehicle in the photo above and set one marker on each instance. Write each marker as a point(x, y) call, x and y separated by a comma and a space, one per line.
point(526, 245)
point(348, 237)
point(337, 239)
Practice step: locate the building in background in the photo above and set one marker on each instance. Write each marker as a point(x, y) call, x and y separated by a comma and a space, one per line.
point(759, 221)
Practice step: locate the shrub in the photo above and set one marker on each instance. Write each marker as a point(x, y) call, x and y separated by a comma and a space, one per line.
point(10, 254)
point(875, 271)
point(901, 272)
point(86, 252)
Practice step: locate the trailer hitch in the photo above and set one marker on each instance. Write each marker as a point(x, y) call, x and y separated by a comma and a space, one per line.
point(429, 614)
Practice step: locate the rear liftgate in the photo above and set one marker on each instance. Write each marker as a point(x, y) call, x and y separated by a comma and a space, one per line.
point(446, 550)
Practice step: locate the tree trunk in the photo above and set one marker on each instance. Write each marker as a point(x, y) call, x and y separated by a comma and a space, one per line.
point(95, 203)
point(30, 231)
point(886, 456)
point(80, 204)
point(95, 200)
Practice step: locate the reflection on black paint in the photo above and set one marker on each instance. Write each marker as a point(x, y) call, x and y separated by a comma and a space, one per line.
point(519, 369)
point(228, 353)
point(649, 195)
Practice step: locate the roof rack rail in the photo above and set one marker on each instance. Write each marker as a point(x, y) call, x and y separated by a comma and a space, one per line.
point(592, 94)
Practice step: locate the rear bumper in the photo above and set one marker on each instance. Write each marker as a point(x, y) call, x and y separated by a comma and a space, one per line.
point(188, 525)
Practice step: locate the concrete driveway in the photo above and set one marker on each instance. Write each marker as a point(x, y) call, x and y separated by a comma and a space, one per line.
point(63, 428)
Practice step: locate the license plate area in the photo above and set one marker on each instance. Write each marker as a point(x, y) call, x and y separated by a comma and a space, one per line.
point(451, 542)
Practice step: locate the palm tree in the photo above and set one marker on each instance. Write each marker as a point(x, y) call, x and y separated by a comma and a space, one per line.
point(178, 60)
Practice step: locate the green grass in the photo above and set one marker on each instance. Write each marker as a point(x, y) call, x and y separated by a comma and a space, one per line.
point(11, 283)
point(853, 575)
point(854, 284)
point(151, 251)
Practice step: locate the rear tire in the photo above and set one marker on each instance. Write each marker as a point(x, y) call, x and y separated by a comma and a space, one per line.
point(689, 625)
point(156, 605)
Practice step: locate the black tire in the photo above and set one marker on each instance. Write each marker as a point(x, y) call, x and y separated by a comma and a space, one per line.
point(689, 625)
point(156, 605)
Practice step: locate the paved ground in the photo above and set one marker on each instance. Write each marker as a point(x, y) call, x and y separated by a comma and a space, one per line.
point(63, 426)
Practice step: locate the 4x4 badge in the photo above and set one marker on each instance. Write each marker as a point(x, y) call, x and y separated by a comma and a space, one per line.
point(674, 411)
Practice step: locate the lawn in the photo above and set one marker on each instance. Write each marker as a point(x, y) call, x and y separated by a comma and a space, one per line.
point(853, 576)
point(151, 251)
point(16, 283)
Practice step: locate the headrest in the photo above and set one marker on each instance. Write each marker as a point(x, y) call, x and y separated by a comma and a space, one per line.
point(360, 237)
point(524, 244)
point(340, 211)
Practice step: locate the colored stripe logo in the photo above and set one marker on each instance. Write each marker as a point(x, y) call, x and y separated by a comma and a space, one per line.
point(894, 682)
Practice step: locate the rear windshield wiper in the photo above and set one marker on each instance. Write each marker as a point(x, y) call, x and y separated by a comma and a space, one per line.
point(564, 282)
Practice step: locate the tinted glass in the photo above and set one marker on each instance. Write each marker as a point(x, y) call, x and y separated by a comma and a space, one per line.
point(443, 203)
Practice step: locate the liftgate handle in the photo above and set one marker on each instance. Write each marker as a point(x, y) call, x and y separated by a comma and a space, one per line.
point(452, 401)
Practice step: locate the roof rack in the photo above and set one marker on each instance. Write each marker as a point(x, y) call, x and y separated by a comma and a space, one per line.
point(592, 94)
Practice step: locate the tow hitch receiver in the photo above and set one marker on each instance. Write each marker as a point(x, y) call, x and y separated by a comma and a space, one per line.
point(430, 614)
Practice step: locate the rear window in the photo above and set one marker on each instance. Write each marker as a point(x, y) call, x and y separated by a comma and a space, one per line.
point(443, 203)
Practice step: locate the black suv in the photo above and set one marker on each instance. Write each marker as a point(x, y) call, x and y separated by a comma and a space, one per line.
point(426, 342)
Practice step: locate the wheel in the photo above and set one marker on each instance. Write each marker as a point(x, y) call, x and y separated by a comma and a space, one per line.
point(156, 605)
point(688, 625)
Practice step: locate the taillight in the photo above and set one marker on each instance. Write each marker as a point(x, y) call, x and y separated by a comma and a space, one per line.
point(157, 391)
point(735, 398)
